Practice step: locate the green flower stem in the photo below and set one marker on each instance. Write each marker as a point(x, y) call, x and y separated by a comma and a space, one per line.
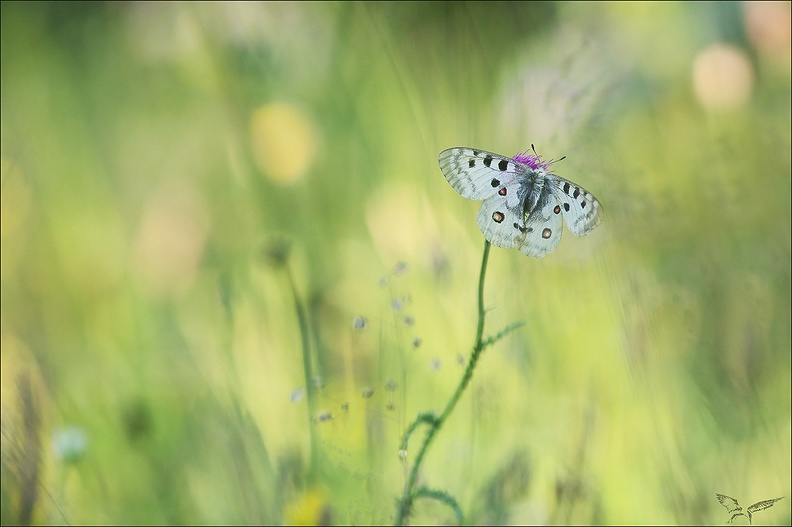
point(302, 320)
point(406, 502)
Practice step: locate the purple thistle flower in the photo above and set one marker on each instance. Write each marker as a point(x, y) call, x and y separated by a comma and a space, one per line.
point(533, 161)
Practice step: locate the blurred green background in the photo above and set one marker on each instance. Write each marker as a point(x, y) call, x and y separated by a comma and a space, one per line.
point(169, 169)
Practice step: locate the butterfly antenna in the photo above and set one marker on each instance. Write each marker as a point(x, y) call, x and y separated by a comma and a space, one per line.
point(534, 150)
point(556, 160)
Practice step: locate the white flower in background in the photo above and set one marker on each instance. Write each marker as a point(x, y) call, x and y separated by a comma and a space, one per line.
point(69, 443)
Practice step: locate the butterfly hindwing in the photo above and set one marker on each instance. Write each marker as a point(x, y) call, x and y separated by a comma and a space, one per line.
point(477, 174)
point(501, 216)
point(542, 228)
point(581, 210)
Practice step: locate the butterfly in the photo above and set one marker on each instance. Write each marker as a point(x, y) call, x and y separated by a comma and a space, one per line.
point(523, 202)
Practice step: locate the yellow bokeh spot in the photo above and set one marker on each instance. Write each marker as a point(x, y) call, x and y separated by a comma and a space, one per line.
point(310, 509)
point(170, 241)
point(283, 141)
point(722, 77)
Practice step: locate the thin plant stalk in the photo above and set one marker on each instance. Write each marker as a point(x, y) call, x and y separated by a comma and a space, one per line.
point(302, 320)
point(406, 502)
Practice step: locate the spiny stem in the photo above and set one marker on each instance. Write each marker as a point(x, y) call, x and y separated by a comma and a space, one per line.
point(405, 504)
point(477, 347)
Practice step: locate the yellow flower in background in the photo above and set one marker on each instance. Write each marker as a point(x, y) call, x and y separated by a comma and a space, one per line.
point(283, 141)
point(310, 508)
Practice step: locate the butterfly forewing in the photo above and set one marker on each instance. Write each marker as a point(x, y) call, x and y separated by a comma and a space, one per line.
point(581, 210)
point(477, 174)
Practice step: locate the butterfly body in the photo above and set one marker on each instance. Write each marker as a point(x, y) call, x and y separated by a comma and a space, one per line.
point(523, 202)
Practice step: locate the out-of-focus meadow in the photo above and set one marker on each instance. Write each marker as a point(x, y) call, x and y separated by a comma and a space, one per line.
point(173, 173)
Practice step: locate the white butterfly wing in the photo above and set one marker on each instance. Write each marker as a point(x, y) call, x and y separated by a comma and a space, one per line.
point(501, 218)
point(477, 174)
point(581, 210)
point(503, 222)
point(542, 228)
